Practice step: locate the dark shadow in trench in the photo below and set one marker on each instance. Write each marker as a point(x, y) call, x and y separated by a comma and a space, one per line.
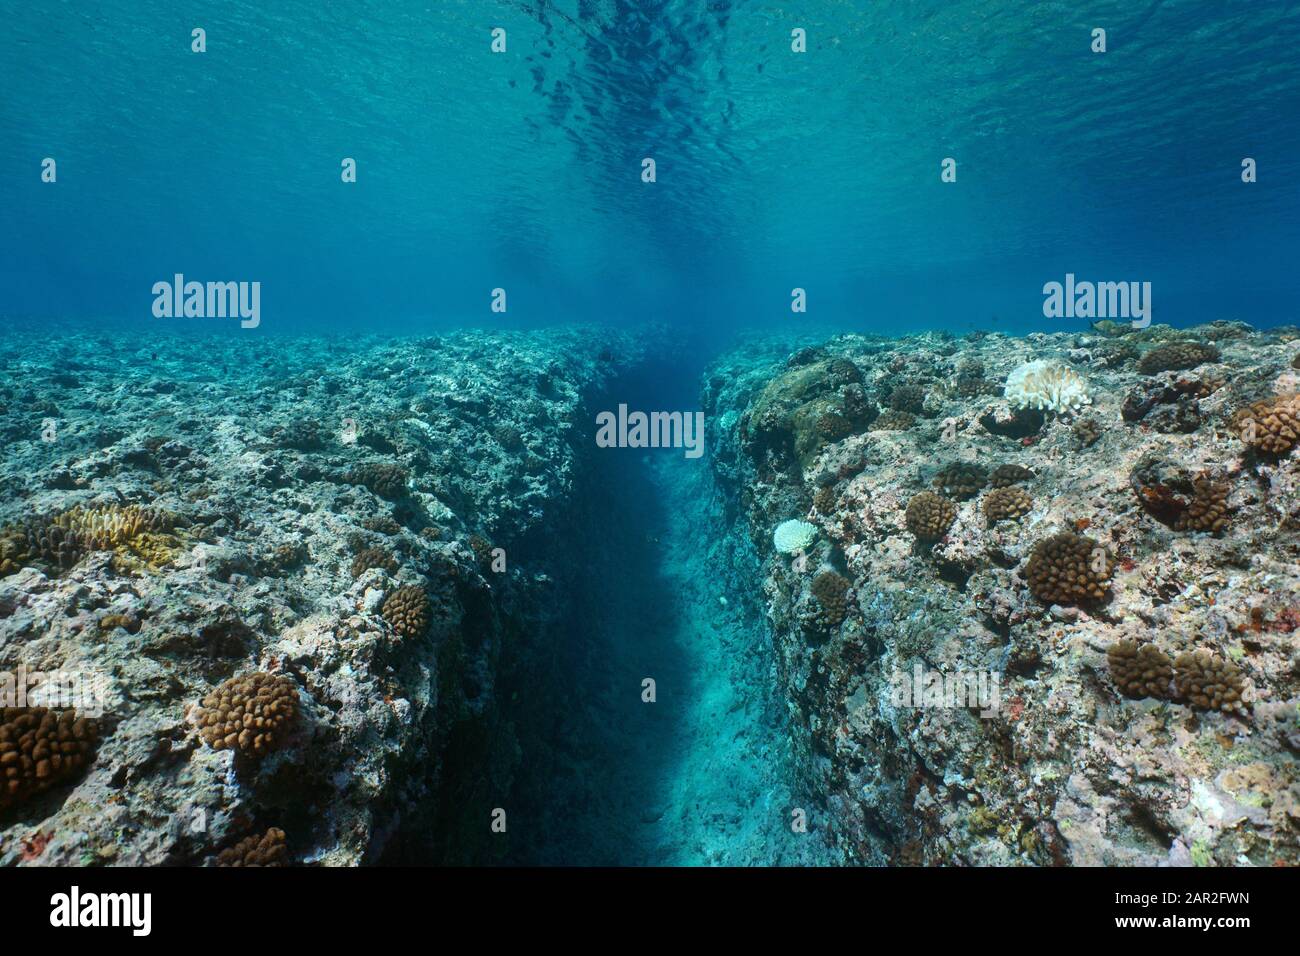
point(595, 758)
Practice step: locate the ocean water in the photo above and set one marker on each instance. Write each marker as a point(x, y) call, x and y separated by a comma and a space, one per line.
point(775, 170)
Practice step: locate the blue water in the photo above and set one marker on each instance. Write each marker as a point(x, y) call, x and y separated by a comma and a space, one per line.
point(776, 170)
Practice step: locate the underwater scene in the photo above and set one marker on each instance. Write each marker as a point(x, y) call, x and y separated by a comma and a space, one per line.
point(649, 433)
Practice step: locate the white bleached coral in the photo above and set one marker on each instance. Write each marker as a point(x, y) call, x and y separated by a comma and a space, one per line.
point(1047, 385)
point(793, 535)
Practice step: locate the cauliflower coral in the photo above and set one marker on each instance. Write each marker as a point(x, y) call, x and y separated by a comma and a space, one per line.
point(1047, 385)
point(793, 535)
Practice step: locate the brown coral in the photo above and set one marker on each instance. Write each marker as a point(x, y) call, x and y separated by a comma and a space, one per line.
point(1009, 503)
point(824, 499)
point(907, 398)
point(251, 713)
point(1069, 568)
point(1208, 682)
point(383, 478)
point(961, 480)
point(1271, 425)
point(1140, 670)
point(266, 850)
point(929, 515)
point(128, 622)
point(895, 421)
point(1208, 508)
point(1176, 356)
point(39, 749)
point(382, 524)
point(831, 591)
point(482, 549)
point(1005, 475)
point(407, 611)
point(973, 386)
point(368, 558)
point(1086, 431)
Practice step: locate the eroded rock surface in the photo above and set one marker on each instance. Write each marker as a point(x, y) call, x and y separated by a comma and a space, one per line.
point(1197, 533)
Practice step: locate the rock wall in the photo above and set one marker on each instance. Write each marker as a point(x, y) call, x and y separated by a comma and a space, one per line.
point(304, 481)
point(1147, 456)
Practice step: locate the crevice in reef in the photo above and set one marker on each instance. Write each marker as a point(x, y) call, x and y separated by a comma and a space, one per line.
point(653, 584)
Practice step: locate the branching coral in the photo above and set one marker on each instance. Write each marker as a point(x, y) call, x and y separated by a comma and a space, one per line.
point(40, 748)
point(482, 549)
point(1069, 569)
point(961, 480)
point(368, 558)
point(251, 713)
point(1086, 432)
point(894, 421)
point(1009, 503)
point(407, 611)
point(383, 478)
point(64, 539)
point(1047, 385)
point(1271, 425)
point(1005, 475)
point(266, 850)
point(1208, 508)
point(929, 515)
point(1177, 500)
point(907, 398)
point(1140, 670)
point(831, 591)
point(793, 535)
point(1209, 682)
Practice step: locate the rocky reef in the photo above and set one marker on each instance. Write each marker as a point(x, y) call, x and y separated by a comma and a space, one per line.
point(1103, 528)
point(296, 567)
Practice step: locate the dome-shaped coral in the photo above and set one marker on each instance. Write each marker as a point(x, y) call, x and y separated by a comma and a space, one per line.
point(1271, 425)
point(1008, 503)
point(1069, 568)
point(407, 611)
point(1140, 671)
point(1176, 356)
point(265, 850)
point(929, 515)
point(40, 748)
point(250, 713)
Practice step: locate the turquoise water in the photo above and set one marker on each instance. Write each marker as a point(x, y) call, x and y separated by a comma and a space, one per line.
point(776, 170)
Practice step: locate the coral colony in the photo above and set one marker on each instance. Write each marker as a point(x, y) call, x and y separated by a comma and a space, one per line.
point(653, 448)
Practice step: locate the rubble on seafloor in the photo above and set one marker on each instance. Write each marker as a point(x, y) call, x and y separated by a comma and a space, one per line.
point(1152, 544)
